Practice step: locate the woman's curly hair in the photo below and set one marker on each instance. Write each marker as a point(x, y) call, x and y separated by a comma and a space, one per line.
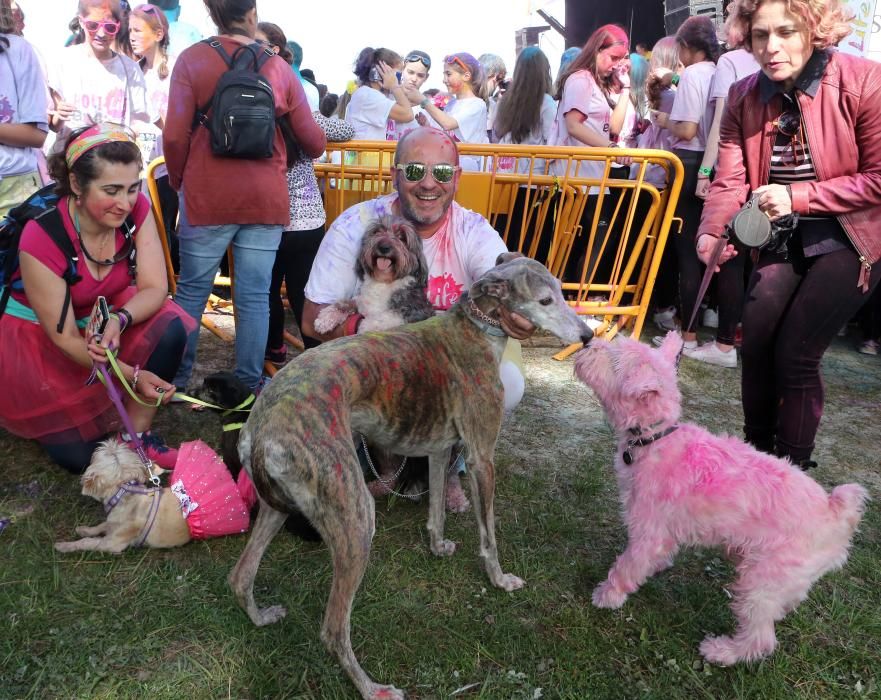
point(826, 22)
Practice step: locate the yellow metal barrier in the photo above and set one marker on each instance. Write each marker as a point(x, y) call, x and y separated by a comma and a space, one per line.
point(555, 213)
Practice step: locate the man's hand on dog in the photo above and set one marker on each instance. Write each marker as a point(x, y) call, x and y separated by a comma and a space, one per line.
point(515, 325)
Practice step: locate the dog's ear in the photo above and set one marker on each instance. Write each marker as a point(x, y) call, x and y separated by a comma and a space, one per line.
point(92, 484)
point(507, 257)
point(496, 287)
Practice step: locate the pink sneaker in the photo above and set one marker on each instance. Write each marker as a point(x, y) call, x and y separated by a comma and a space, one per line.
point(156, 450)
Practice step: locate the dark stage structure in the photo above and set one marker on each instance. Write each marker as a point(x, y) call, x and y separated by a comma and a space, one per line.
point(643, 19)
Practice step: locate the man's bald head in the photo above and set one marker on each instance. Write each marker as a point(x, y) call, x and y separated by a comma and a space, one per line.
point(427, 138)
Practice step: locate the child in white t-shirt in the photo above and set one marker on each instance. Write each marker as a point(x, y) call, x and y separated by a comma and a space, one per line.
point(91, 83)
point(465, 115)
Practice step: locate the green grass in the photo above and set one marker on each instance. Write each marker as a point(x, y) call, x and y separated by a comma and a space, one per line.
point(162, 624)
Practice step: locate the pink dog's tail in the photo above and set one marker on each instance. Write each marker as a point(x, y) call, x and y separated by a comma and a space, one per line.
point(848, 502)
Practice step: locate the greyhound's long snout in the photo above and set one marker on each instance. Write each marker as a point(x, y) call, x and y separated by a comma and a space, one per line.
point(586, 336)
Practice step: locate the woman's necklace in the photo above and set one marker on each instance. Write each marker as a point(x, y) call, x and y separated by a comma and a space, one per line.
point(106, 237)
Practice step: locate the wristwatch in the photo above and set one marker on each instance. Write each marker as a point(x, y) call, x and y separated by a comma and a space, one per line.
point(425, 103)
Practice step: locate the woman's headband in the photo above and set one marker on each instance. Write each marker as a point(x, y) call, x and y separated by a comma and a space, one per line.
point(105, 132)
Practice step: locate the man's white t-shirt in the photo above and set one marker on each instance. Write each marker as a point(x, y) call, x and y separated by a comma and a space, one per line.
point(693, 104)
point(457, 255)
point(470, 113)
point(112, 90)
point(368, 113)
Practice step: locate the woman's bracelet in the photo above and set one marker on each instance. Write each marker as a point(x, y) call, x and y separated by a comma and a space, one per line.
point(705, 171)
point(352, 323)
point(425, 103)
point(125, 319)
point(135, 376)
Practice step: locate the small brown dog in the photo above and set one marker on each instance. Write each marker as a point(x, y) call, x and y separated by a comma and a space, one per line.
point(202, 501)
point(116, 478)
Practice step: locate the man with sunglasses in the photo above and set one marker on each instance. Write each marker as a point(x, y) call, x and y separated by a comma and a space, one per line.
point(459, 245)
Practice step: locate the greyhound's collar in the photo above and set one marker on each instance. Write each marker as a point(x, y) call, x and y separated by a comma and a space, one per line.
point(487, 324)
point(627, 456)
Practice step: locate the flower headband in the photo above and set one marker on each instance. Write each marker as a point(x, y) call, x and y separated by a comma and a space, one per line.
point(97, 135)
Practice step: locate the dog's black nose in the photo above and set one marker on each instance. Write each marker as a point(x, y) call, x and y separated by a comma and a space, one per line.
point(383, 249)
point(586, 337)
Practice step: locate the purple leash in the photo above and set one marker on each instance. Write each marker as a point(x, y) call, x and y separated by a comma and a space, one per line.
point(127, 423)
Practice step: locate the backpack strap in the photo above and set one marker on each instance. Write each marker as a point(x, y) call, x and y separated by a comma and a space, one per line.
point(50, 221)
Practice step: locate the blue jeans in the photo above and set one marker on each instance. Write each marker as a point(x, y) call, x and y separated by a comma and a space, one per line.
point(201, 250)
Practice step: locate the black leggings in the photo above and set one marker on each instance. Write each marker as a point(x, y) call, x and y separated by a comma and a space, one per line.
point(793, 310)
point(75, 456)
point(293, 262)
point(689, 209)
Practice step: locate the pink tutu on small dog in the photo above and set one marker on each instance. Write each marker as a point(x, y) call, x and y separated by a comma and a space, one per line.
point(209, 498)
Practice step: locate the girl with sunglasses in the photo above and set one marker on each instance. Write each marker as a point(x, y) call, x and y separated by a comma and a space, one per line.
point(801, 137)
point(465, 116)
point(45, 362)
point(91, 82)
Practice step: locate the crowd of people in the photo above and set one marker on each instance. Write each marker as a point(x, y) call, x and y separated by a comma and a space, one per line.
point(135, 83)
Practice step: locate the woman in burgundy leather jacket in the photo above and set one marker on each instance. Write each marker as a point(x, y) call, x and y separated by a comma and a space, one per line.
point(801, 137)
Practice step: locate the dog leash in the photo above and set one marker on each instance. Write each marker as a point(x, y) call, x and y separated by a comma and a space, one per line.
point(705, 283)
point(410, 496)
point(116, 398)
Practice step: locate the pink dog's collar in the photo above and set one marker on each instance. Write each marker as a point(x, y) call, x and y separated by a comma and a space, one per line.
point(627, 456)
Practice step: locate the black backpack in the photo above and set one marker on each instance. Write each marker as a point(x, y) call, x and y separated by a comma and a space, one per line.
point(241, 116)
point(41, 207)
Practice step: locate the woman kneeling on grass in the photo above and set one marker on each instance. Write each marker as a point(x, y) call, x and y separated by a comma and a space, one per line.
point(46, 362)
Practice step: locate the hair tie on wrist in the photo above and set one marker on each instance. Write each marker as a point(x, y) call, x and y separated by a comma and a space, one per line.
point(125, 319)
point(135, 376)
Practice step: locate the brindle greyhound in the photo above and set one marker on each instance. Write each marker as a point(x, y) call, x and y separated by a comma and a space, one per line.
point(415, 390)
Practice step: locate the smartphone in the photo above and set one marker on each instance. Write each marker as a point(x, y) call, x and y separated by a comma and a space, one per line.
point(398, 75)
point(98, 320)
point(374, 76)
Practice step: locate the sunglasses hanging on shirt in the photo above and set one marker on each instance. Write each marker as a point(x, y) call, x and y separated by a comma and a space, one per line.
point(789, 124)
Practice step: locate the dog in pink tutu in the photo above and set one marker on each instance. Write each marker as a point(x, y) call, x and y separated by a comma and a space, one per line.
point(681, 485)
point(200, 501)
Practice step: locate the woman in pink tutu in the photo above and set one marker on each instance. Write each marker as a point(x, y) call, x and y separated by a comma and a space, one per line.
point(46, 360)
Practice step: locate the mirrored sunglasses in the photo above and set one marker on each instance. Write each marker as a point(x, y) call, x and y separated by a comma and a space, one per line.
point(110, 28)
point(415, 172)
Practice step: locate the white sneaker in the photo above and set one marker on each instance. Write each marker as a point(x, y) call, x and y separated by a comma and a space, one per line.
point(711, 318)
point(665, 319)
point(711, 354)
point(658, 341)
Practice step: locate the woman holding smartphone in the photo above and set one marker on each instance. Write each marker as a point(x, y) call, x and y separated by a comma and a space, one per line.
point(379, 103)
point(46, 358)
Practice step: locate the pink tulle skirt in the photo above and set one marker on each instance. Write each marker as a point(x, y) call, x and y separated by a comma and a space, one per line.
point(209, 498)
point(44, 395)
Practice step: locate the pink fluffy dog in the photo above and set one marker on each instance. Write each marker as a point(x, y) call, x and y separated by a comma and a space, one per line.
point(686, 486)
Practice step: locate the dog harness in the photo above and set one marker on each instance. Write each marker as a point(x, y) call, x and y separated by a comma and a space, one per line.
point(627, 456)
point(135, 487)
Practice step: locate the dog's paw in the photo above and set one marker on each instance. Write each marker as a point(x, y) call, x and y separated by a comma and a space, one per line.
point(270, 615)
point(444, 548)
point(64, 547)
point(607, 596)
point(386, 692)
point(510, 582)
point(721, 651)
point(329, 318)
